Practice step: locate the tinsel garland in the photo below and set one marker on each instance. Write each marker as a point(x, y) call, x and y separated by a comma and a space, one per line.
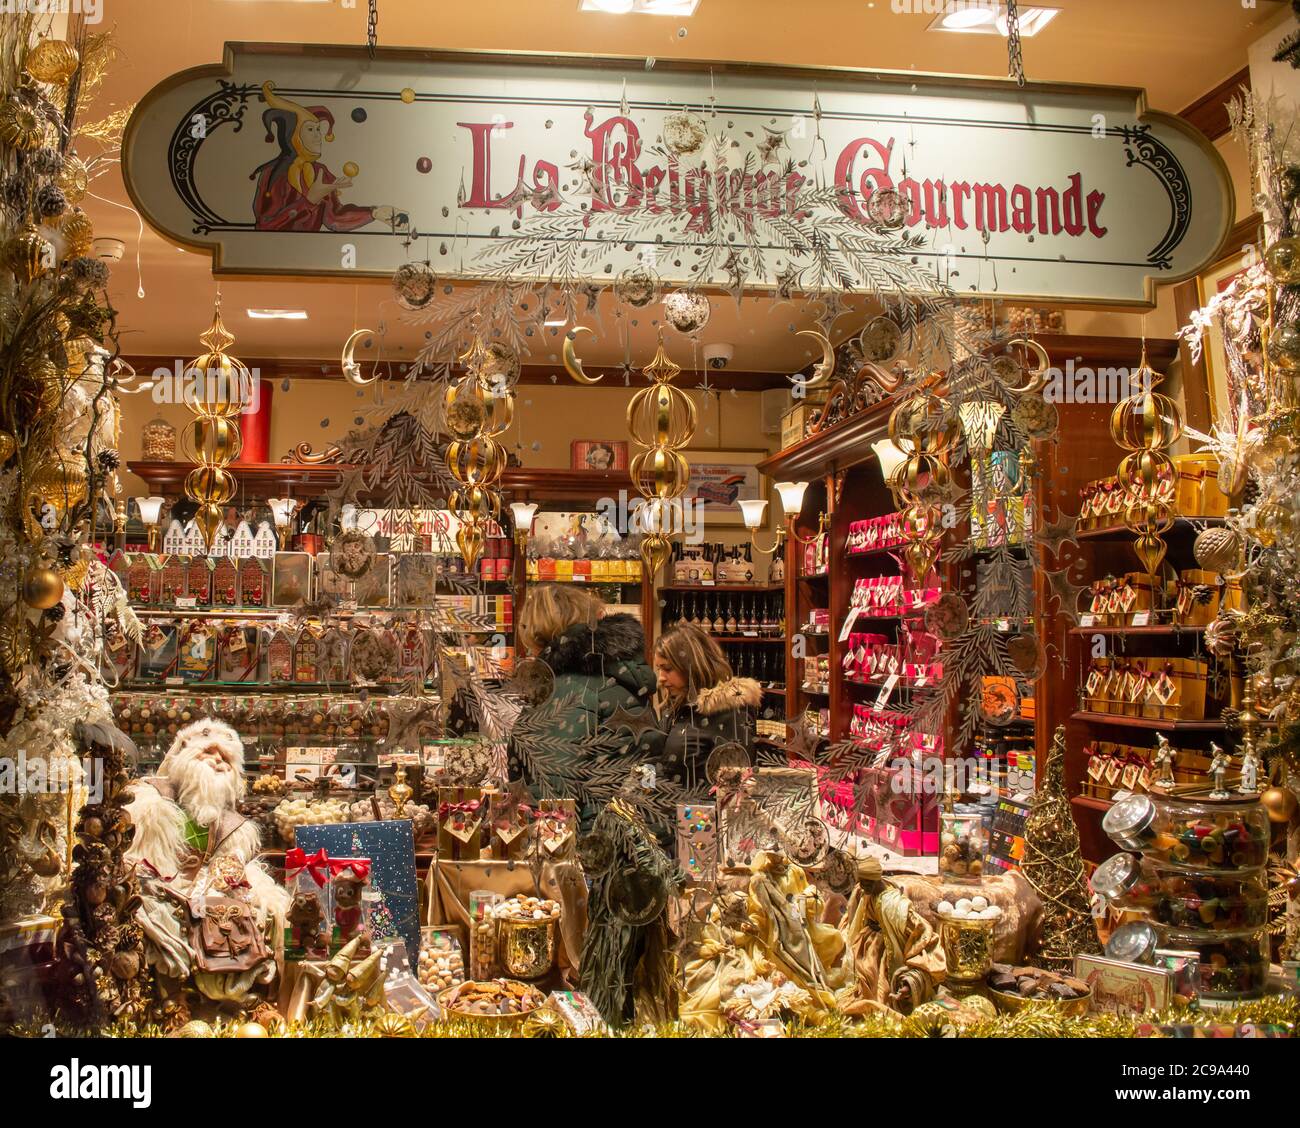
point(1041, 1021)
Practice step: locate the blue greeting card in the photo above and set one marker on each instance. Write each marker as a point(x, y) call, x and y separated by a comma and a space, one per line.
point(390, 846)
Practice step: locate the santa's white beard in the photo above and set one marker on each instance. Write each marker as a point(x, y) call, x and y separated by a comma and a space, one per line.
point(205, 794)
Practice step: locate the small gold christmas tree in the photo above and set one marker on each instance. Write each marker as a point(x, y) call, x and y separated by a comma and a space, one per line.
point(1054, 867)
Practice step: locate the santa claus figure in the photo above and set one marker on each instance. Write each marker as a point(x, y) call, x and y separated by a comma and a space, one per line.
point(209, 905)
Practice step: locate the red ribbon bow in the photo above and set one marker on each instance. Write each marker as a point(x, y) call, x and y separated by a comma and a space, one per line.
point(321, 866)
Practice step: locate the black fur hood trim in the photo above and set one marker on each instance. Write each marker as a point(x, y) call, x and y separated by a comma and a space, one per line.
point(580, 650)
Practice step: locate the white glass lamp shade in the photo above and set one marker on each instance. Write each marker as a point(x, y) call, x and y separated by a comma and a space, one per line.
point(752, 510)
point(282, 510)
point(522, 513)
point(791, 497)
point(891, 457)
point(150, 508)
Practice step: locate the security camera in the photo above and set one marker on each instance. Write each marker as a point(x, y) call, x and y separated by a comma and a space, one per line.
point(719, 356)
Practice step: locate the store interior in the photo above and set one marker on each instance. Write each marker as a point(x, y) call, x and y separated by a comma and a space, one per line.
point(623, 518)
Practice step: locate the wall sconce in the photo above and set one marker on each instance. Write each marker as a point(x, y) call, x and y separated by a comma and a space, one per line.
point(282, 511)
point(150, 508)
point(521, 513)
point(791, 494)
point(891, 457)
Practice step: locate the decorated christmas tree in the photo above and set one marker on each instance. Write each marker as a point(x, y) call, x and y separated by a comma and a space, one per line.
point(1054, 867)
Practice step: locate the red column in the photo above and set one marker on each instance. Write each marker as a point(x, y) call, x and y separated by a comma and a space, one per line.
point(255, 426)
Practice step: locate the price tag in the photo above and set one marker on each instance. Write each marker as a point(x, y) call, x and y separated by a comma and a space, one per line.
point(1004, 624)
point(580, 579)
point(1141, 619)
point(706, 583)
point(852, 618)
point(882, 698)
point(187, 601)
point(751, 634)
point(174, 681)
point(1087, 620)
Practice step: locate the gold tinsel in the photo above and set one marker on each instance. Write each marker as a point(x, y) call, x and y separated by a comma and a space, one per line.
point(1047, 1022)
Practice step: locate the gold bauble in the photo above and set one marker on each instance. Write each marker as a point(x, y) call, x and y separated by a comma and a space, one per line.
point(8, 444)
point(1271, 517)
point(42, 588)
point(78, 234)
point(544, 1023)
point(195, 1028)
point(392, 1025)
point(26, 254)
point(1218, 549)
point(1151, 550)
point(21, 127)
point(74, 179)
point(1283, 260)
point(1280, 803)
point(655, 550)
point(251, 1030)
point(53, 61)
point(59, 482)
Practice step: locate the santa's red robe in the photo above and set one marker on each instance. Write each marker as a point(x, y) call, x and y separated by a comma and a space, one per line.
point(278, 206)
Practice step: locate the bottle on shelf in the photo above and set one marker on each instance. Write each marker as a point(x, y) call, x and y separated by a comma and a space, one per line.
point(732, 627)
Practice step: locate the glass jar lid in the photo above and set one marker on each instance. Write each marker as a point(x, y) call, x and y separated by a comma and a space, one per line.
point(1135, 942)
point(1129, 820)
point(1116, 876)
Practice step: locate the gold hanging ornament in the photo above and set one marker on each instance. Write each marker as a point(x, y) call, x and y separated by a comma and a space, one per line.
point(661, 420)
point(924, 426)
point(21, 127)
point(1147, 424)
point(478, 407)
point(52, 61)
point(27, 254)
point(78, 234)
point(216, 388)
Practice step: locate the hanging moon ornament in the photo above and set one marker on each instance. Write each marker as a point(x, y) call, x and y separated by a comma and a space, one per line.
point(572, 365)
point(1037, 376)
point(351, 369)
point(824, 369)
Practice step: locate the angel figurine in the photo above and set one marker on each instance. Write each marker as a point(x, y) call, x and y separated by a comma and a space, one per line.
point(1165, 758)
point(1218, 772)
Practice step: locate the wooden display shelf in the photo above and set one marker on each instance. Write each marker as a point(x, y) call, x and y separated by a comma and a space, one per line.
point(1089, 802)
point(260, 480)
point(1157, 723)
point(770, 640)
point(1157, 629)
point(726, 589)
point(1181, 525)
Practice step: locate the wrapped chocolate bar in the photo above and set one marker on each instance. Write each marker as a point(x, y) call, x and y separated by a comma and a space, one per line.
point(578, 1013)
point(461, 811)
point(557, 829)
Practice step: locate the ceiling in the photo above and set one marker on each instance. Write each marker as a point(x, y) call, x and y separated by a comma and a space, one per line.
point(1176, 49)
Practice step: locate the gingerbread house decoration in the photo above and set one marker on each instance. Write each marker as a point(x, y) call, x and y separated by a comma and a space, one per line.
point(241, 544)
point(193, 543)
point(174, 539)
point(264, 542)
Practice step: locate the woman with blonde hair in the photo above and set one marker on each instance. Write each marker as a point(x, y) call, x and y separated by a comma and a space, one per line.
point(699, 704)
point(598, 661)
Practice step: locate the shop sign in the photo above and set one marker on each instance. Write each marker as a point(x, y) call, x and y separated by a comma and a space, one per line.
point(320, 161)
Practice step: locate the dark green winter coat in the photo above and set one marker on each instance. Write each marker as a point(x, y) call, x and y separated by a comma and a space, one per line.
point(559, 744)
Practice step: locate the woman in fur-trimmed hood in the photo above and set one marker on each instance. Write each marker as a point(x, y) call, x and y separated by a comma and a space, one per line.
point(699, 705)
point(599, 665)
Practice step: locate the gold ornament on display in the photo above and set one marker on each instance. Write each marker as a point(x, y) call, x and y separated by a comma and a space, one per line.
point(78, 234)
point(74, 180)
point(216, 388)
point(1146, 424)
point(1218, 549)
point(21, 127)
point(924, 426)
point(42, 588)
point(52, 61)
point(27, 254)
point(56, 487)
point(572, 365)
point(478, 407)
point(1282, 259)
point(661, 420)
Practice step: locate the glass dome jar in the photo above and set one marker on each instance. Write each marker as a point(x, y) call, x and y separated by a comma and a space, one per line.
point(158, 441)
point(1192, 834)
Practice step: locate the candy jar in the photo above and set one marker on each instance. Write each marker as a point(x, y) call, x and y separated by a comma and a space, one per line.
point(483, 933)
